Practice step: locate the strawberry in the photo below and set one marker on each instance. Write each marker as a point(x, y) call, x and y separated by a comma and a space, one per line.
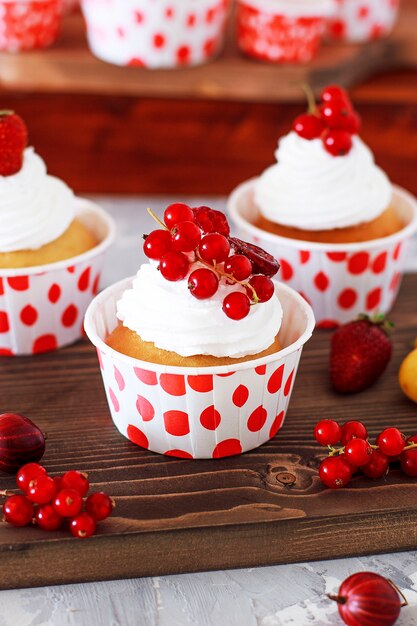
point(360, 352)
point(13, 141)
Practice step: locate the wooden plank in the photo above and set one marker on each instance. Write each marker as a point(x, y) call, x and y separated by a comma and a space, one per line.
point(176, 515)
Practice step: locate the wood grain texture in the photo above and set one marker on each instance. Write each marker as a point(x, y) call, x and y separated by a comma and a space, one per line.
point(177, 516)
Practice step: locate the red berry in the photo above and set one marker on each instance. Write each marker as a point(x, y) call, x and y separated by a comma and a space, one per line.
point(391, 441)
point(27, 473)
point(238, 266)
point(13, 141)
point(68, 503)
point(41, 489)
point(353, 430)
point(408, 459)
point(236, 305)
point(214, 248)
point(353, 123)
point(177, 212)
point(203, 283)
point(47, 518)
point(157, 244)
point(335, 472)
point(57, 481)
point(211, 221)
point(18, 510)
point(263, 286)
point(174, 266)
point(262, 262)
point(83, 526)
point(309, 126)
point(335, 113)
point(75, 480)
point(185, 236)
point(327, 432)
point(377, 465)
point(334, 92)
point(357, 452)
point(21, 441)
point(99, 505)
point(337, 142)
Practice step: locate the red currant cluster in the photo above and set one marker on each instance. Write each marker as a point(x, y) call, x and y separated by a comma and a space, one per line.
point(356, 452)
point(334, 121)
point(49, 501)
point(200, 237)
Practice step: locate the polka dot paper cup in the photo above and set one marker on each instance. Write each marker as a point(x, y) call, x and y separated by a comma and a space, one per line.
point(162, 34)
point(207, 412)
point(340, 281)
point(42, 308)
point(29, 24)
point(363, 20)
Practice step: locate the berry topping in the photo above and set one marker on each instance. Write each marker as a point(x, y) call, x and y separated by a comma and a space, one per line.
point(27, 473)
point(185, 236)
point(309, 126)
point(353, 430)
point(68, 503)
point(377, 465)
point(236, 305)
point(211, 221)
point(75, 480)
point(337, 142)
point(334, 92)
point(261, 288)
point(335, 472)
point(47, 518)
point(18, 510)
point(335, 113)
point(391, 441)
point(157, 244)
point(238, 266)
point(174, 266)
point(13, 141)
point(262, 262)
point(214, 248)
point(83, 526)
point(203, 283)
point(327, 432)
point(41, 489)
point(178, 212)
point(357, 452)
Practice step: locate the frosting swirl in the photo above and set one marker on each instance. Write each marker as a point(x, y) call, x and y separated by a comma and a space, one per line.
point(35, 208)
point(166, 314)
point(311, 189)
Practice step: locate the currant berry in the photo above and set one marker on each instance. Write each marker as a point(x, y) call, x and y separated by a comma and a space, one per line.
point(41, 489)
point(177, 212)
point(327, 432)
point(263, 286)
point(47, 518)
point(334, 92)
point(335, 472)
point(357, 452)
point(335, 113)
point(353, 430)
point(408, 459)
point(185, 236)
point(68, 503)
point(27, 473)
point(262, 262)
point(353, 123)
point(75, 480)
point(83, 526)
point(309, 126)
point(211, 221)
point(99, 505)
point(157, 244)
point(18, 510)
point(214, 248)
point(236, 305)
point(337, 142)
point(57, 481)
point(377, 466)
point(391, 441)
point(203, 283)
point(238, 266)
point(174, 266)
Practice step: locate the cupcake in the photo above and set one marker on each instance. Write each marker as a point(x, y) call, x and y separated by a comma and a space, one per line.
point(29, 24)
point(199, 351)
point(330, 215)
point(51, 249)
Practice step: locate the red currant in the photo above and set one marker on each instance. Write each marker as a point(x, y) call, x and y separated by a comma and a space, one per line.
point(157, 243)
point(177, 212)
point(83, 526)
point(263, 286)
point(174, 266)
point(353, 430)
point(214, 248)
point(99, 505)
point(68, 503)
point(327, 432)
point(377, 465)
point(47, 518)
point(335, 472)
point(211, 221)
point(185, 236)
point(337, 142)
point(391, 441)
point(353, 123)
point(27, 473)
point(238, 266)
point(203, 283)
point(334, 92)
point(75, 480)
point(408, 460)
point(335, 113)
point(309, 126)
point(41, 489)
point(357, 452)
point(236, 305)
point(18, 510)
point(57, 481)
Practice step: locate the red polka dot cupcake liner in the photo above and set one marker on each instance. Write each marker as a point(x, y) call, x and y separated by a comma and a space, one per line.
point(363, 20)
point(29, 24)
point(197, 413)
point(42, 308)
point(340, 281)
point(162, 34)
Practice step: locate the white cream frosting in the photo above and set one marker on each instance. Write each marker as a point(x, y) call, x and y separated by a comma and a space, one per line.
point(295, 8)
point(309, 188)
point(35, 208)
point(166, 314)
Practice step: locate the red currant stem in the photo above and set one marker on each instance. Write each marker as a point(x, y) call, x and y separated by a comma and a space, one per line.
point(410, 446)
point(220, 274)
point(152, 214)
point(311, 101)
point(5, 112)
point(6, 493)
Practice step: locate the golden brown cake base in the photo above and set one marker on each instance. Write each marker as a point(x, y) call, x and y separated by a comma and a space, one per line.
point(128, 342)
point(73, 242)
point(386, 224)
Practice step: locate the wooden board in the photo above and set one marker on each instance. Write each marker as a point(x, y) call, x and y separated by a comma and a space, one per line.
point(69, 67)
point(177, 516)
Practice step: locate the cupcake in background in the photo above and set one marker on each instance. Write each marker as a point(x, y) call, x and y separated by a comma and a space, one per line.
point(29, 24)
point(358, 21)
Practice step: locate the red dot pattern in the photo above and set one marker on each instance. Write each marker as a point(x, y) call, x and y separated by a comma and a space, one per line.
point(54, 293)
point(347, 298)
point(18, 283)
point(240, 396)
point(29, 315)
point(276, 424)
point(69, 316)
point(261, 369)
point(275, 381)
point(373, 299)
point(29, 25)
point(84, 279)
point(257, 419)
point(202, 383)
point(173, 384)
point(210, 418)
point(176, 423)
point(228, 447)
point(321, 281)
point(182, 454)
point(137, 436)
point(288, 384)
point(358, 263)
point(4, 322)
point(119, 379)
point(145, 409)
point(146, 376)
point(286, 271)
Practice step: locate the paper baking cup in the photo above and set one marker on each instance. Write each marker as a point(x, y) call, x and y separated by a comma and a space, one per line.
point(338, 280)
point(28, 24)
point(42, 308)
point(70, 6)
point(165, 33)
point(363, 20)
point(206, 412)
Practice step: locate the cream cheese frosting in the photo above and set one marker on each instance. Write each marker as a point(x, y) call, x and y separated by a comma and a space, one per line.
point(35, 208)
point(166, 314)
point(308, 188)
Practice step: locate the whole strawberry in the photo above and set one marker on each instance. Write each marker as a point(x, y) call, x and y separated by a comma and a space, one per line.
point(360, 352)
point(13, 141)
